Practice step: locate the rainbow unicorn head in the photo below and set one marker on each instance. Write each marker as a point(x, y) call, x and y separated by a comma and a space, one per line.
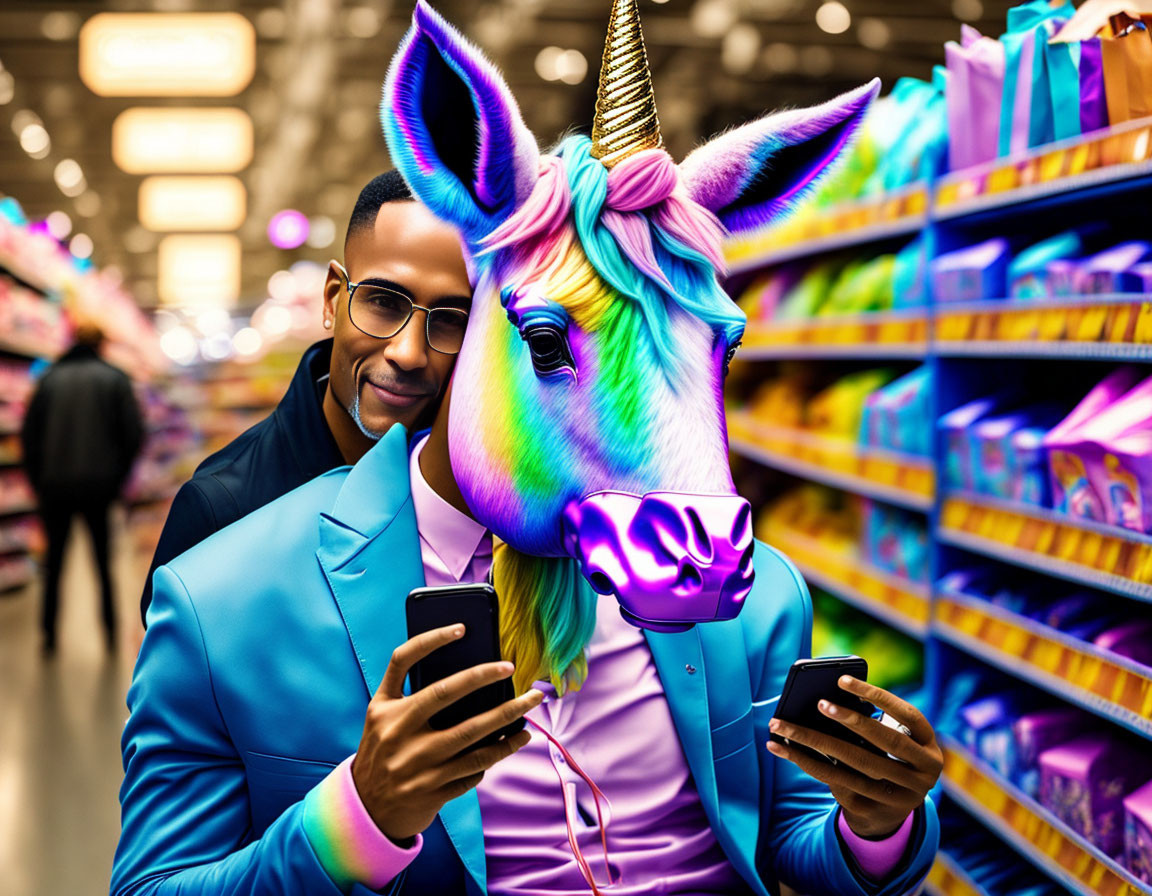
point(586, 420)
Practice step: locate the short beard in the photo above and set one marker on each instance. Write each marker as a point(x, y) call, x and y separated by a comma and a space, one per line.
point(354, 413)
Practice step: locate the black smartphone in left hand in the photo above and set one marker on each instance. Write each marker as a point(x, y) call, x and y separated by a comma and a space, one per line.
point(809, 682)
point(476, 607)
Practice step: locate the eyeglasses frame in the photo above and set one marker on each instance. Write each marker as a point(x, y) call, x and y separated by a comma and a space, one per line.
point(352, 287)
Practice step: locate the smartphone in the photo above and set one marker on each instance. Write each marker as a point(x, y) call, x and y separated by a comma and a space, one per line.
point(477, 608)
point(809, 682)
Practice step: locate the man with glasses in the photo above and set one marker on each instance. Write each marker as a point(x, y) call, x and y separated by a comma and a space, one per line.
point(398, 312)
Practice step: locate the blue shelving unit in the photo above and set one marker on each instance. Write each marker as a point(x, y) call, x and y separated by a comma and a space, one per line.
point(963, 369)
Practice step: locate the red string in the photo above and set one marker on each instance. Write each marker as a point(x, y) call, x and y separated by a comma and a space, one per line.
point(597, 795)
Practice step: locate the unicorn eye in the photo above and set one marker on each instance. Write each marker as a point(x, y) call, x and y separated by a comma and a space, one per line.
point(548, 346)
point(732, 349)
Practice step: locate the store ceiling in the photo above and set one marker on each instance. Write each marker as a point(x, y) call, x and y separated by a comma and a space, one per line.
point(320, 64)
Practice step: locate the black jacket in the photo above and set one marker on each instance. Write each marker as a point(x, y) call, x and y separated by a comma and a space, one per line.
point(285, 450)
point(83, 429)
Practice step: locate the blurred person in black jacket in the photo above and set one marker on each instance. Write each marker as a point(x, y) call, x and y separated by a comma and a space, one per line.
point(81, 435)
point(334, 409)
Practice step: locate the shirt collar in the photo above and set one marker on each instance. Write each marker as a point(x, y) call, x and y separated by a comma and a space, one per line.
point(453, 536)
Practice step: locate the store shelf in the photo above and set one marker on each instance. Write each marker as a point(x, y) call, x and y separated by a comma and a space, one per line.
point(901, 603)
point(26, 349)
point(878, 335)
point(1120, 157)
point(904, 480)
point(1031, 829)
point(1116, 560)
point(1102, 682)
point(17, 509)
point(947, 878)
point(899, 213)
point(1114, 327)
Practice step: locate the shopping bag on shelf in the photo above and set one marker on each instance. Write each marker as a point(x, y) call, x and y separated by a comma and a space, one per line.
point(1127, 61)
point(1041, 100)
point(975, 86)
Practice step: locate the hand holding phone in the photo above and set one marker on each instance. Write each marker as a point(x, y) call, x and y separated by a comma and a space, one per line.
point(809, 682)
point(405, 769)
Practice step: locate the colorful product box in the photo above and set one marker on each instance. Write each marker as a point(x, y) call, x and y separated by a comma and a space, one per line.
point(954, 428)
point(1072, 491)
point(973, 274)
point(1036, 732)
point(1028, 272)
point(1132, 639)
point(1110, 271)
point(987, 731)
point(1084, 782)
point(1138, 833)
point(1028, 463)
point(994, 464)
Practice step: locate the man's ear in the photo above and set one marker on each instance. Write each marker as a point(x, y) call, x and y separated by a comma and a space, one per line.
point(753, 173)
point(453, 129)
point(333, 292)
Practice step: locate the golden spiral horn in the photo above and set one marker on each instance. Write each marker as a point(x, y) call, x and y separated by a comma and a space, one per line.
point(625, 120)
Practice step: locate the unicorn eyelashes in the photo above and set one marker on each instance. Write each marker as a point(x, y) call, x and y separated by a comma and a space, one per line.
point(586, 423)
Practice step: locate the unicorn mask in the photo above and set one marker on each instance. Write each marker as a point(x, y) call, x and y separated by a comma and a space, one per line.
point(586, 421)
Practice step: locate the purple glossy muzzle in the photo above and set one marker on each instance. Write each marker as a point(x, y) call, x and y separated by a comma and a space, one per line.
point(670, 559)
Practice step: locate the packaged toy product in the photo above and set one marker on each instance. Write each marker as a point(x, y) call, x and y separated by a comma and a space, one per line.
point(1035, 732)
point(1110, 271)
point(1138, 832)
point(1084, 782)
point(1028, 273)
point(973, 273)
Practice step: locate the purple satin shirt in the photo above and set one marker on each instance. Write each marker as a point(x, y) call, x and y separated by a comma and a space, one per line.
point(619, 729)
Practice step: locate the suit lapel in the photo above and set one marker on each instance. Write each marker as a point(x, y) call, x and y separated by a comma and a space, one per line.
point(675, 654)
point(370, 553)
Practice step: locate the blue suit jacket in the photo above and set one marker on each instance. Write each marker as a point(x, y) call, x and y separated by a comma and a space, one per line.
point(266, 642)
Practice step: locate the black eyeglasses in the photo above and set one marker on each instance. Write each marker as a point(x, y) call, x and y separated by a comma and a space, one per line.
point(382, 313)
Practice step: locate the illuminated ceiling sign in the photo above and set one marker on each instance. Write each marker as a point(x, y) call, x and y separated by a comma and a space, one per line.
point(167, 54)
point(192, 203)
point(200, 271)
point(182, 141)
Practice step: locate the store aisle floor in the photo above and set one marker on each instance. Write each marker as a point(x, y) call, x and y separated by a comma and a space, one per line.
point(60, 766)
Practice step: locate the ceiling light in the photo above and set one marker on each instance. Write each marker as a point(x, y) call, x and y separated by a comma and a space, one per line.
point(199, 270)
point(712, 18)
point(184, 141)
point(321, 232)
point(547, 62)
point(34, 141)
point(740, 47)
point(7, 87)
point(362, 21)
point(288, 229)
point(69, 177)
point(179, 344)
point(192, 203)
point(571, 67)
point(87, 204)
point(781, 58)
point(212, 321)
point(282, 286)
point(22, 118)
point(59, 225)
point(874, 34)
point(167, 54)
point(81, 246)
point(276, 320)
point(968, 10)
point(247, 341)
point(60, 25)
point(833, 17)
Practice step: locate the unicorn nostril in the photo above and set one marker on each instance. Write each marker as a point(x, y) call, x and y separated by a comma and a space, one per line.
point(703, 542)
point(600, 583)
point(689, 580)
point(742, 527)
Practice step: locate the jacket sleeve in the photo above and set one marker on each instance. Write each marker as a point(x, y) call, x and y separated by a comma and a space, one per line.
point(32, 436)
point(800, 843)
point(190, 520)
point(186, 826)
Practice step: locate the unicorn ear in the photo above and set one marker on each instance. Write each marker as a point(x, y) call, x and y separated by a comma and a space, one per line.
point(753, 173)
point(453, 129)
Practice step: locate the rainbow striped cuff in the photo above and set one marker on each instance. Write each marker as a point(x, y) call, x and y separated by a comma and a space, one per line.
point(347, 842)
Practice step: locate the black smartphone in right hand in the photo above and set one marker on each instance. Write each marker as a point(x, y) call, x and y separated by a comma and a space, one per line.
point(809, 682)
point(476, 607)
